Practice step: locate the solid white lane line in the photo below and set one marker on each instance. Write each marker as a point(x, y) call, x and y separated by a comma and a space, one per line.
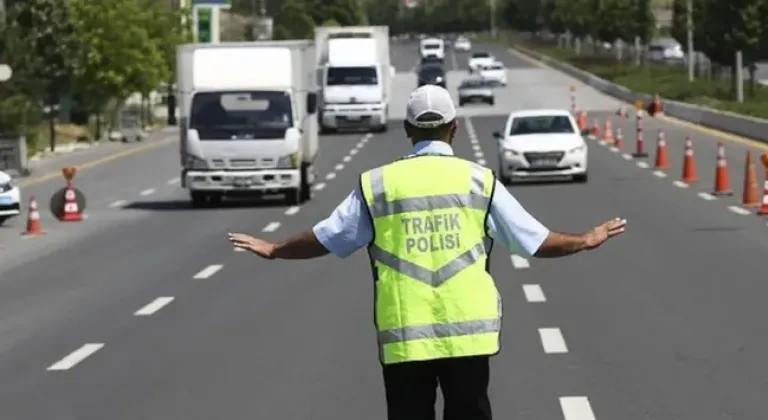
point(173, 181)
point(739, 210)
point(339, 167)
point(292, 210)
point(519, 262)
point(319, 186)
point(552, 340)
point(660, 174)
point(643, 165)
point(154, 306)
point(148, 191)
point(347, 158)
point(118, 203)
point(330, 175)
point(576, 408)
point(271, 227)
point(208, 272)
point(534, 293)
point(77, 356)
point(680, 184)
point(707, 196)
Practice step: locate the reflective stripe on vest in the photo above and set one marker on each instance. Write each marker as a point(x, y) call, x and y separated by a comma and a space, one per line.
point(476, 335)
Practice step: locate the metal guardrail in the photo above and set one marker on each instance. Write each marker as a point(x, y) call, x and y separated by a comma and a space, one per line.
point(746, 126)
point(13, 155)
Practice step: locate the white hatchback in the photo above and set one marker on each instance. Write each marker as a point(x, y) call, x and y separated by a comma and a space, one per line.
point(10, 198)
point(541, 144)
point(494, 72)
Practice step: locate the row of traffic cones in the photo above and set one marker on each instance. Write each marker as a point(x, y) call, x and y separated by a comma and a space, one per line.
point(70, 213)
point(751, 196)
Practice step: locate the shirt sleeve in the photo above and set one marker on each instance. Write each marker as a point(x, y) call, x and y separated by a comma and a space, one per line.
point(347, 229)
point(510, 224)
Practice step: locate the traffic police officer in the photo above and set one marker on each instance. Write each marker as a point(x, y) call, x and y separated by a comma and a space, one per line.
point(428, 220)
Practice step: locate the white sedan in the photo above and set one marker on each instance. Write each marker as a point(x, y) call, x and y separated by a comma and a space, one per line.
point(479, 59)
point(10, 198)
point(494, 72)
point(462, 44)
point(541, 144)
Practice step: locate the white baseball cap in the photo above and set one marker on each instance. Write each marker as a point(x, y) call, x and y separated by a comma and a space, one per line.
point(430, 106)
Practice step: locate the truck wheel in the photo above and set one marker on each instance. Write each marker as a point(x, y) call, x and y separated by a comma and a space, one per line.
point(383, 128)
point(325, 130)
point(293, 197)
point(305, 190)
point(199, 199)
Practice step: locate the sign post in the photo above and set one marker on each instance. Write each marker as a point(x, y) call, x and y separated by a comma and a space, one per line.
point(207, 19)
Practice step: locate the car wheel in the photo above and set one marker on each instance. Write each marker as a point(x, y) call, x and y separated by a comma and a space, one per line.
point(581, 178)
point(491, 102)
point(461, 103)
point(3, 219)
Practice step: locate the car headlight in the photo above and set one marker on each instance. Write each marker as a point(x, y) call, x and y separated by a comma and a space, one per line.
point(195, 163)
point(578, 149)
point(288, 162)
point(6, 186)
point(509, 153)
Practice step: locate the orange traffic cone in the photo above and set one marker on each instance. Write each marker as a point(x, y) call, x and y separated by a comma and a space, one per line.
point(751, 195)
point(662, 155)
point(722, 184)
point(71, 209)
point(619, 141)
point(608, 132)
point(596, 129)
point(658, 108)
point(763, 210)
point(690, 174)
point(582, 120)
point(639, 140)
point(34, 227)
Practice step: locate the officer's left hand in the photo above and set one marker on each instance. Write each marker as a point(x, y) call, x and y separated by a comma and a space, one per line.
point(259, 247)
point(607, 230)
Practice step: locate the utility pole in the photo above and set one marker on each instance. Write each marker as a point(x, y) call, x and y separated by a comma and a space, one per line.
point(691, 52)
point(492, 9)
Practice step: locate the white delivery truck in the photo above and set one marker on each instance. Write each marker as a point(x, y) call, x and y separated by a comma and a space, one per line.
point(355, 77)
point(247, 119)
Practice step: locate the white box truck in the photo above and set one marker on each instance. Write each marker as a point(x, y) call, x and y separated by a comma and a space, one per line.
point(248, 125)
point(355, 76)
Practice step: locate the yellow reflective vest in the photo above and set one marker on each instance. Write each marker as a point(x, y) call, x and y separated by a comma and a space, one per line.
point(434, 295)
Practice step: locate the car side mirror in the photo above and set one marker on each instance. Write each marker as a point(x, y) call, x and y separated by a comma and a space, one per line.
point(497, 135)
point(311, 103)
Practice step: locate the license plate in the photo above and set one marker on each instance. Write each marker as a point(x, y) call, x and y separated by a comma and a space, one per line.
point(354, 118)
point(544, 163)
point(242, 182)
point(6, 201)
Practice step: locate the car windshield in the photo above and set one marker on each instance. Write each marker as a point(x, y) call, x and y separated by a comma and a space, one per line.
point(475, 84)
point(480, 55)
point(248, 115)
point(352, 76)
point(434, 46)
point(545, 124)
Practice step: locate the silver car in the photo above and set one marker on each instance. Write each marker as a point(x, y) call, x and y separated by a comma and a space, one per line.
point(477, 90)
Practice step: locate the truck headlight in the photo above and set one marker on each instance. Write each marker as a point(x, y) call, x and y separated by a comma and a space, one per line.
point(578, 149)
point(195, 163)
point(288, 162)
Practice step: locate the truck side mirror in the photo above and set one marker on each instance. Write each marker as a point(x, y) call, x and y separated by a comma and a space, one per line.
point(497, 135)
point(311, 103)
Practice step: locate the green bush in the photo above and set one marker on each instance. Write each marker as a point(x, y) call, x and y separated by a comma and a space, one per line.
point(670, 82)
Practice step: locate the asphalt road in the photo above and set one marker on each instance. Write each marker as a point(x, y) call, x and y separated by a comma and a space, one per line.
point(144, 311)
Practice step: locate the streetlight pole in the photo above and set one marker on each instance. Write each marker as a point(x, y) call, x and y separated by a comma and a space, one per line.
point(691, 53)
point(492, 10)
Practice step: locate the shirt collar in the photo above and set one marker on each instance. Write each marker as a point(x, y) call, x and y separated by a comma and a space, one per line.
point(432, 147)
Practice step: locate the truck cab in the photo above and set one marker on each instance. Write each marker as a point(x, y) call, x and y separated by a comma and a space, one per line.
point(246, 128)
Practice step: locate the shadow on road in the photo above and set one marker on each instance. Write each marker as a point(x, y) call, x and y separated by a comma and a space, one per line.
point(186, 205)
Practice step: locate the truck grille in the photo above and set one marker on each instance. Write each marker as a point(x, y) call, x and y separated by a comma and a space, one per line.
point(240, 163)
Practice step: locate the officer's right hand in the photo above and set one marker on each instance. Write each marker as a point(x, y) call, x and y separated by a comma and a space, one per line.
point(607, 230)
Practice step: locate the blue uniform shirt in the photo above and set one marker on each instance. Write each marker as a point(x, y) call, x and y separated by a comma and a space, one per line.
point(349, 228)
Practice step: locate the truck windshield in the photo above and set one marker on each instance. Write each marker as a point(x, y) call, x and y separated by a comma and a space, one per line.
point(352, 76)
point(250, 115)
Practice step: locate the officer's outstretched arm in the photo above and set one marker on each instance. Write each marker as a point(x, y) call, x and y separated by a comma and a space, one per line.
point(300, 247)
point(562, 244)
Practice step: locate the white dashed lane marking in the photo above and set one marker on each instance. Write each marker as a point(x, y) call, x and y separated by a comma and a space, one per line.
point(292, 210)
point(347, 158)
point(739, 210)
point(552, 340)
point(353, 152)
point(680, 184)
point(271, 227)
point(660, 174)
point(643, 165)
point(208, 272)
point(118, 203)
point(320, 186)
point(154, 306)
point(339, 167)
point(707, 196)
point(626, 156)
point(533, 293)
point(330, 176)
point(173, 181)
point(77, 356)
point(576, 408)
point(148, 191)
point(482, 162)
point(519, 262)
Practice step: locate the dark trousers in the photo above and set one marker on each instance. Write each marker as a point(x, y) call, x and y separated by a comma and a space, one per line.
point(411, 389)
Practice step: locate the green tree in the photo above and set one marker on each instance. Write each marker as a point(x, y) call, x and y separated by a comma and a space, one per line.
point(615, 21)
point(679, 27)
point(643, 23)
point(293, 21)
point(577, 16)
